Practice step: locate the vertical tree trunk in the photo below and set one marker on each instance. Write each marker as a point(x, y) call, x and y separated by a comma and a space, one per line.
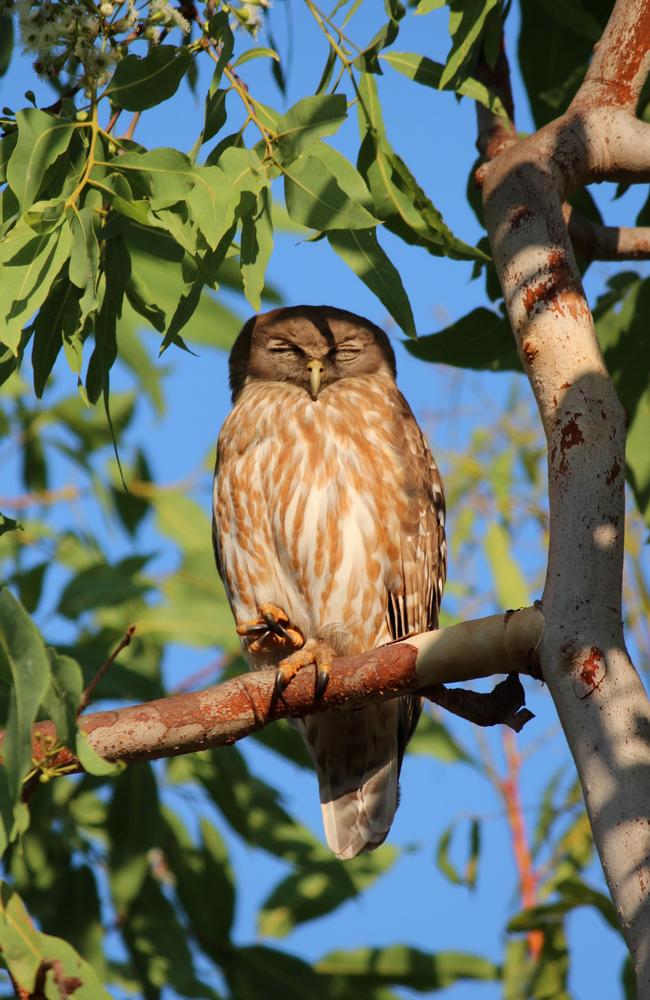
point(599, 697)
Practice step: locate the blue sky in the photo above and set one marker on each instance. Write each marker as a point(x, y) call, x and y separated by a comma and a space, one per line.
point(435, 135)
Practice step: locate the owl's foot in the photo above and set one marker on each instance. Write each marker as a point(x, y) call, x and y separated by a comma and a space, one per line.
point(314, 651)
point(271, 631)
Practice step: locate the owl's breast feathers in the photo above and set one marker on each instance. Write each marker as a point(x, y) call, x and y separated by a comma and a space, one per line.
point(332, 509)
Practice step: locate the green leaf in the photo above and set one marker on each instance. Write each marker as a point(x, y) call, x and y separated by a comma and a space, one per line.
point(163, 176)
point(83, 268)
point(423, 70)
point(256, 53)
point(158, 947)
point(134, 826)
point(623, 333)
point(510, 585)
point(9, 524)
point(283, 739)
point(573, 892)
point(24, 669)
point(56, 322)
point(6, 40)
point(552, 83)
point(362, 253)
point(316, 196)
point(91, 762)
point(467, 19)
point(26, 279)
point(402, 966)
point(215, 114)
point(61, 702)
point(399, 201)
point(256, 245)
point(202, 872)
point(444, 862)
point(142, 82)
point(249, 805)
point(103, 585)
point(307, 121)
point(317, 889)
point(259, 971)
point(480, 341)
point(42, 138)
point(37, 960)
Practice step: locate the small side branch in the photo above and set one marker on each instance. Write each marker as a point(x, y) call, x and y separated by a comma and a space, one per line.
point(595, 242)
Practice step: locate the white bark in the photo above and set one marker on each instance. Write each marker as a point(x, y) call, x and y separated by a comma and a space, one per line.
point(599, 697)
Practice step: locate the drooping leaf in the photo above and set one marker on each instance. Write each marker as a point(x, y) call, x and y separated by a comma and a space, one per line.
point(24, 670)
point(56, 323)
point(316, 196)
point(398, 199)
point(26, 277)
point(61, 701)
point(134, 826)
point(467, 20)
point(423, 70)
point(481, 341)
point(256, 245)
point(42, 138)
point(202, 872)
point(362, 253)
point(446, 865)
point(308, 120)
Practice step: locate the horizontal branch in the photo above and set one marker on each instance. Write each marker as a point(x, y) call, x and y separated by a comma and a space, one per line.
point(225, 713)
point(593, 241)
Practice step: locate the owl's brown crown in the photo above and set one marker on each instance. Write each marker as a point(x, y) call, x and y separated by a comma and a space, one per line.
point(309, 346)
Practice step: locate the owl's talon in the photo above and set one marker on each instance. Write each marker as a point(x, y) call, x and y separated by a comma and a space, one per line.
point(322, 679)
point(271, 631)
point(313, 651)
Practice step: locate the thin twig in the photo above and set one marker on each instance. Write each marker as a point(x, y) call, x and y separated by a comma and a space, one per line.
point(88, 693)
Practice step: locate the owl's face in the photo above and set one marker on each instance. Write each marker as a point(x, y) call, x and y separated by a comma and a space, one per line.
point(309, 346)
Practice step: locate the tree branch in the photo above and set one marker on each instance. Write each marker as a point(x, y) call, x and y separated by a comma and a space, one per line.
point(595, 242)
point(225, 713)
point(599, 697)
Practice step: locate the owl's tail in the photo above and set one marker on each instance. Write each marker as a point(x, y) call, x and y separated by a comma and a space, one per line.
point(357, 760)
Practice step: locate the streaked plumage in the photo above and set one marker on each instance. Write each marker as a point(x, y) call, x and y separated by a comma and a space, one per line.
point(331, 508)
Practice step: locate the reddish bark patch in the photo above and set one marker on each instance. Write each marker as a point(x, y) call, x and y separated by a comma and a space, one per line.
point(570, 435)
point(557, 289)
point(530, 352)
point(613, 473)
point(591, 672)
point(566, 385)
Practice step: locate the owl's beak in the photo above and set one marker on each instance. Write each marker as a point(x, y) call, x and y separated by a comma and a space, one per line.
point(315, 369)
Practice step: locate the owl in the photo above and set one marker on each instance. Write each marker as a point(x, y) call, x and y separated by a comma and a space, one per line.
point(329, 537)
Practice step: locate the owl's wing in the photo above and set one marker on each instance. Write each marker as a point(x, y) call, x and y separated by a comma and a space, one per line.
point(414, 600)
point(358, 754)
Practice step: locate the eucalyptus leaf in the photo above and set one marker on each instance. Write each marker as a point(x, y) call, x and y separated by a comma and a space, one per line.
point(362, 253)
point(141, 82)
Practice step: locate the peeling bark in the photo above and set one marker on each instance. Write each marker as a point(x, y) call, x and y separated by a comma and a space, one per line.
point(599, 697)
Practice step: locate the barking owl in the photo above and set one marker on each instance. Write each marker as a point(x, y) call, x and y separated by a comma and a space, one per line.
point(329, 536)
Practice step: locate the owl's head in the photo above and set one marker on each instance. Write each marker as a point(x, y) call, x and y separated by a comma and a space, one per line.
point(309, 346)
